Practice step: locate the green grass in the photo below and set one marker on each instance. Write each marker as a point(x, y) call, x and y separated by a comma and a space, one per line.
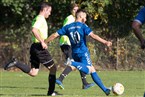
point(18, 84)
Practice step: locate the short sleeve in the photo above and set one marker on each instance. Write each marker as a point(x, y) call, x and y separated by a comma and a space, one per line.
point(62, 31)
point(87, 30)
point(141, 16)
point(37, 23)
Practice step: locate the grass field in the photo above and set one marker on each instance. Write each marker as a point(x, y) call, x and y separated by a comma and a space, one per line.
point(18, 84)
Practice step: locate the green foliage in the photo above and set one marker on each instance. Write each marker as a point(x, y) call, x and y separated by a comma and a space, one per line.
point(120, 15)
point(110, 19)
point(15, 13)
point(112, 16)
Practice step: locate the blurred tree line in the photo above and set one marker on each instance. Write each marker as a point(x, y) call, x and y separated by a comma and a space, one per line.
point(110, 19)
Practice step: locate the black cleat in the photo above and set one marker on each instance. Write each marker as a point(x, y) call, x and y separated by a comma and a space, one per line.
point(107, 92)
point(88, 85)
point(55, 93)
point(10, 64)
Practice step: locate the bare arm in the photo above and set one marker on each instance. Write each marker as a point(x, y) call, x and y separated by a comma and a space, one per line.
point(38, 37)
point(137, 31)
point(52, 37)
point(96, 37)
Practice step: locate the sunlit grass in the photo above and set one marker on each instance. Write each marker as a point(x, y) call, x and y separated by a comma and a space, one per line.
point(18, 84)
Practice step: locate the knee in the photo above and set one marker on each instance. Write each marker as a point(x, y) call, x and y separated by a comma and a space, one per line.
point(53, 69)
point(73, 68)
point(33, 73)
point(91, 69)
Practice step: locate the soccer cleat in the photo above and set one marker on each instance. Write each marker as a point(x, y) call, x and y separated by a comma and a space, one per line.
point(59, 84)
point(55, 93)
point(10, 64)
point(88, 86)
point(107, 92)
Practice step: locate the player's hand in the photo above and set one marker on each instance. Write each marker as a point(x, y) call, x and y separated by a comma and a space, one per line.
point(45, 41)
point(108, 43)
point(143, 45)
point(109, 46)
point(44, 45)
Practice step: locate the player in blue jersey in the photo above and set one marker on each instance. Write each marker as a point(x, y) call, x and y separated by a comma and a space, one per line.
point(66, 49)
point(136, 25)
point(77, 33)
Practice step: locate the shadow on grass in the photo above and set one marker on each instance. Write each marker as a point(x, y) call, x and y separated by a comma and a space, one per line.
point(3, 87)
point(15, 95)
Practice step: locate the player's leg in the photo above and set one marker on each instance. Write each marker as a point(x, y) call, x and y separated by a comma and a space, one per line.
point(62, 76)
point(86, 85)
point(51, 79)
point(86, 67)
point(98, 81)
point(95, 77)
point(47, 61)
point(66, 49)
point(25, 68)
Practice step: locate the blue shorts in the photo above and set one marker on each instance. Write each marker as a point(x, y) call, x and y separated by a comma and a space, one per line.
point(141, 16)
point(83, 58)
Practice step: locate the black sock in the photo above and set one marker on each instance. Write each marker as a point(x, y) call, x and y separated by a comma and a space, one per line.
point(23, 67)
point(83, 77)
point(65, 73)
point(51, 80)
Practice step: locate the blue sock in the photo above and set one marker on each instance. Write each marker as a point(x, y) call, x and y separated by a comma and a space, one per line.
point(80, 67)
point(98, 81)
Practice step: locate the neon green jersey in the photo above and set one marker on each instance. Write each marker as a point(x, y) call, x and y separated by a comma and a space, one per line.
point(40, 23)
point(69, 20)
point(64, 40)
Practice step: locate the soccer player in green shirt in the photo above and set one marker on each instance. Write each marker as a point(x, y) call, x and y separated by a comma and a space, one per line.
point(66, 49)
point(38, 51)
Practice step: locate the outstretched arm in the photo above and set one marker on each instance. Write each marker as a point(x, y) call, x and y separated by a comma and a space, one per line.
point(96, 37)
point(52, 37)
point(137, 31)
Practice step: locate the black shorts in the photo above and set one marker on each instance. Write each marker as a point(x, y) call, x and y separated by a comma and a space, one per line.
point(39, 55)
point(66, 49)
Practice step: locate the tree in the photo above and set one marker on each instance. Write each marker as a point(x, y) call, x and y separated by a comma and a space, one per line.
point(110, 19)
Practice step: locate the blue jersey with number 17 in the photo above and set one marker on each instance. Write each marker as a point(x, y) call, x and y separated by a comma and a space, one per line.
point(77, 33)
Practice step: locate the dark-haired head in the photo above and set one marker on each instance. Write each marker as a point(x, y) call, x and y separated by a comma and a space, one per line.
point(81, 15)
point(45, 9)
point(73, 8)
point(80, 11)
point(43, 5)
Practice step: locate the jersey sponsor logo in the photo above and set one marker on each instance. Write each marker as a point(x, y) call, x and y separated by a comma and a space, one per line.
point(74, 27)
